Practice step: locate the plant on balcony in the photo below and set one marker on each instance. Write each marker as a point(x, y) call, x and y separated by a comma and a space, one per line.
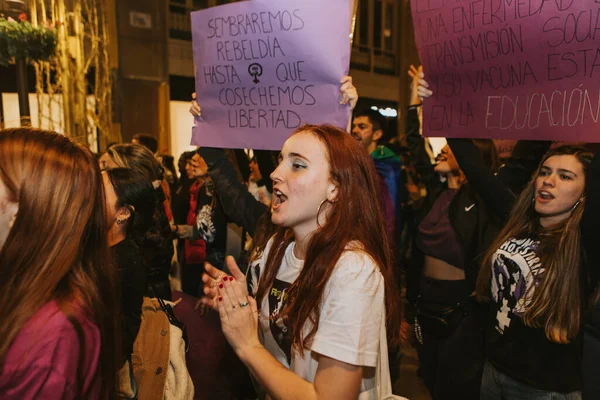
point(20, 39)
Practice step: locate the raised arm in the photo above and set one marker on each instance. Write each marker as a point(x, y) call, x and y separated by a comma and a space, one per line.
point(416, 143)
point(416, 147)
point(496, 195)
point(499, 190)
point(239, 205)
point(349, 96)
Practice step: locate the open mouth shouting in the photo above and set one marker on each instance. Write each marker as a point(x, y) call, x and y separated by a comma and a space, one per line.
point(544, 196)
point(278, 199)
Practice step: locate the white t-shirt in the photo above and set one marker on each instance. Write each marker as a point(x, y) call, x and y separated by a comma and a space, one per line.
point(349, 323)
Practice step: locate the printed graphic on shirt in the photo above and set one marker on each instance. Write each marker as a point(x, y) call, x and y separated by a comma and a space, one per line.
point(205, 224)
point(252, 277)
point(516, 272)
point(277, 301)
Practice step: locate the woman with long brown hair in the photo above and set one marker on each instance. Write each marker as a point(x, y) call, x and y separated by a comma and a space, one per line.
point(57, 297)
point(535, 277)
point(325, 281)
point(493, 192)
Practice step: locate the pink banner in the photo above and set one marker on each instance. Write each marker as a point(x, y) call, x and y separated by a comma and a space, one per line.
point(510, 69)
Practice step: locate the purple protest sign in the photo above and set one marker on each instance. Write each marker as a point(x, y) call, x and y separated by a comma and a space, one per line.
point(264, 68)
point(526, 69)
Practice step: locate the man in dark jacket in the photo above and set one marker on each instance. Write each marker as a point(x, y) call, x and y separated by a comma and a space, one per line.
point(369, 127)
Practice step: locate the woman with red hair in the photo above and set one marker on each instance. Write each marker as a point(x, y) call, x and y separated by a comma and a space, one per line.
point(324, 286)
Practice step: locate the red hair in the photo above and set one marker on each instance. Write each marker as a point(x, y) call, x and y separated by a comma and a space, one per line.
point(355, 215)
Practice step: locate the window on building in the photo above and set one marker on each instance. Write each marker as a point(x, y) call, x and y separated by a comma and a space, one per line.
point(375, 43)
point(361, 40)
point(389, 27)
point(180, 26)
point(377, 25)
point(200, 4)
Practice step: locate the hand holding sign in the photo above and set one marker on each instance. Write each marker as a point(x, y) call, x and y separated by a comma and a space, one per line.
point(419, 87)
point(524, 69)
point(195, 107)
point(348, 92)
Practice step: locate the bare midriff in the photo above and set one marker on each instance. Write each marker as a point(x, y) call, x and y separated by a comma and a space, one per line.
point(438, 269)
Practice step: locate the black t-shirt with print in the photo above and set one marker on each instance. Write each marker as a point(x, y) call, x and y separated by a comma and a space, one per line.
point(278, 296)
point(277, 300)
point(522, 352)
point(211, 225)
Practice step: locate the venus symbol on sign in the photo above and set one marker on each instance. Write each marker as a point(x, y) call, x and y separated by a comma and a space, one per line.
point(255, 70)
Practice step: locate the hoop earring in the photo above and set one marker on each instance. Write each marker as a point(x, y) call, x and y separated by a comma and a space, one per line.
point(319, 211)
point(576, 204)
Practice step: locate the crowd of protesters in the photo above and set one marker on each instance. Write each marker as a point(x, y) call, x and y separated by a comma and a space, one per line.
point(497, 258)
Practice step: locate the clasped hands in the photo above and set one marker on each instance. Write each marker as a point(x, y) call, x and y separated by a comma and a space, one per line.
point(238, 311)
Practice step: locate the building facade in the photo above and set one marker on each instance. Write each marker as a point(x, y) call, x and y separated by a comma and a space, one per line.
point(156, 68)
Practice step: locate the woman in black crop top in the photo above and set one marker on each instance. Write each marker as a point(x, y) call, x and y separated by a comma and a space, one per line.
point(534, 275)
point(454, 227)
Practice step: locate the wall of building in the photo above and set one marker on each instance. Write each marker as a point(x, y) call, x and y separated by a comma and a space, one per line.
point(156, 61)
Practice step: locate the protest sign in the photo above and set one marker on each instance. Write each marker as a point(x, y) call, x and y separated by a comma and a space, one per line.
point(511, 69)
point(264, 68)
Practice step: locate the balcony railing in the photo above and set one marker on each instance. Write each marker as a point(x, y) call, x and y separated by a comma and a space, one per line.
point(371, 59)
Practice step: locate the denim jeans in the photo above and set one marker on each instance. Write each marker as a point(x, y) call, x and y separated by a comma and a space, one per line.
point(498, 386)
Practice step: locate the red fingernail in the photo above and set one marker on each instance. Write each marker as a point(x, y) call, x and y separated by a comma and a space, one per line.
point(220, 286)
point(231, 278)
point(220, 298)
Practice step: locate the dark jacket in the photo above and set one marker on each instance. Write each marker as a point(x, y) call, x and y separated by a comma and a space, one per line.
point(391, 190)
point(210, 224)
point(475, 222)
point(389, 167)
point(470, 219)
point(238, 204)
point(157, 251)
point(132, 284)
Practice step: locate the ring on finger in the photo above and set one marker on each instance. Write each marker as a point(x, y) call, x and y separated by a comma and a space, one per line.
point(244, 304)
point(233, 307)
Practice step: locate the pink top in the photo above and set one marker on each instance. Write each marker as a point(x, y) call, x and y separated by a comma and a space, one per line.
point(43, 361)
